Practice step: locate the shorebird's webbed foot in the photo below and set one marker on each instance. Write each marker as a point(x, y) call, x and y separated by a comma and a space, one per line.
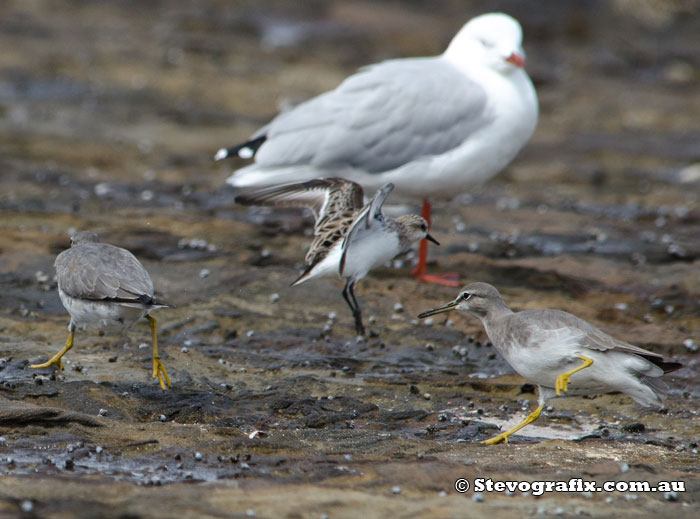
point(562, 381)
point(503, 437)
point(56, 359)
point(159, 371)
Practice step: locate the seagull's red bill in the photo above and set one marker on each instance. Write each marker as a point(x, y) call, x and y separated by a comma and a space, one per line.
point(516, 59)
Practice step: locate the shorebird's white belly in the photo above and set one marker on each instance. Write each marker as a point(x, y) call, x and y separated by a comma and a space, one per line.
point(374, 249)
point(369, 251)
point(97, 314)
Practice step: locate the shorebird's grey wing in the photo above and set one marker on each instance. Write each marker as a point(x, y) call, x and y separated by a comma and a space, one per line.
point(364, 222)
point(556, 325)
point(378, 119)
point(102, 271)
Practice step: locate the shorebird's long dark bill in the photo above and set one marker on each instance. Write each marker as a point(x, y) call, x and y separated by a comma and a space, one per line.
point(430, 238)
point(440, 309)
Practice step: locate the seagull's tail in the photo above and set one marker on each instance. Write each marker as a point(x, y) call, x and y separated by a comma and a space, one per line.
point(245, 150)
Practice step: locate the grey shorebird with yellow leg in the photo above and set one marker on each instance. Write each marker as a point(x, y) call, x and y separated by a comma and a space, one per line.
point(106, 287)
point(562, 354)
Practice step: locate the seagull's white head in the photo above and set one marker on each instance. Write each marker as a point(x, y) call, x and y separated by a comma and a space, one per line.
point(493, 40)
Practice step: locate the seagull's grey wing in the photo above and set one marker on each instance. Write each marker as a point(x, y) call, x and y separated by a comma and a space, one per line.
point(568, 327)
point(101, 271)
point(380, 118)
point(365, 220)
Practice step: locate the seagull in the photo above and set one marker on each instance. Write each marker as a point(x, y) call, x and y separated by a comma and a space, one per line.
point(561, 353)
point(433, 126)
point(106, 287)
point(350, 238)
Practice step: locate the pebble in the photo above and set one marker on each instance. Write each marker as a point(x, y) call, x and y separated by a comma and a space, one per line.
point(274, 297)
point(102, 412)
point(27, 506)
point(396, 490)
point(163, 418)
point(250, 333)
point(478, 497)
point(690, 345)
point(624, 467)
point(185, 349)
point(429, 321)
point(99, 449)
point(250, 512)
point(559, 511)
point(398, 308)
point(198, 456)
point(671, 495)
point(204, 273)
point(333, 316)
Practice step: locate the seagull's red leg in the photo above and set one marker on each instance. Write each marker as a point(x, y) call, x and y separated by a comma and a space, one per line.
point(450, 279)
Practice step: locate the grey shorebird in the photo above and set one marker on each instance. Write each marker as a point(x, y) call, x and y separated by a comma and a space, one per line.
point(350, 238)
point(106, 287)
point(434, 126)
point(561, 353)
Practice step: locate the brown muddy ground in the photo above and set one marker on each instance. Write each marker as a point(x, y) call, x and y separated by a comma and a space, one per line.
point(110, 113)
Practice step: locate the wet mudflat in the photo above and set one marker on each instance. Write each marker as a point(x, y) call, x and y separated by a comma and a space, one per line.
point(109, 117)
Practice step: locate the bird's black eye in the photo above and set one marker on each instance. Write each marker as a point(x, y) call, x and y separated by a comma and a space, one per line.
point(423, 227)
point(465, 296)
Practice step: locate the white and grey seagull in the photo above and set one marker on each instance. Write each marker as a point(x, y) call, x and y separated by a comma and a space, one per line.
point(433, 126)
point(350, 238)
point(561, 353)
point(106, 287)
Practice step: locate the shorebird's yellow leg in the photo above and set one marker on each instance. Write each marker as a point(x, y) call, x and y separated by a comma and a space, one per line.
point(562, 380)
point(56, 359)
point(158, 368)
point(504, 435)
